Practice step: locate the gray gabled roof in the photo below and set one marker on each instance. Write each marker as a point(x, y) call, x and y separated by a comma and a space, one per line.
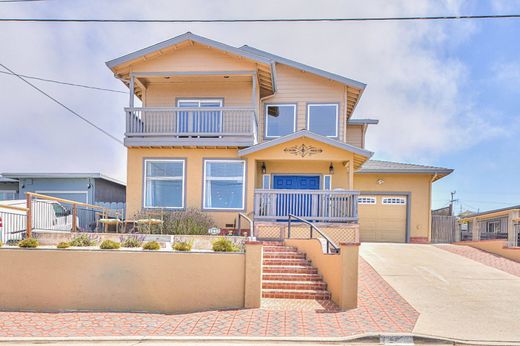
point(363, 121)
point(188, 36)
point(483, 213)
point(7, 180)
point(300, 66)
point(377, 166)
point(307, 134)
point(62, 176)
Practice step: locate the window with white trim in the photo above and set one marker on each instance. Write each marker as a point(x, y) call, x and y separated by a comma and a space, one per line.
point(280, 119)
point(266, 181)
point(164, 183)
point(224, 184)
point(366, 200)
point(493, 227)
point(323, 119)
point(327, 182)
point(6, 195)
point(394, 200)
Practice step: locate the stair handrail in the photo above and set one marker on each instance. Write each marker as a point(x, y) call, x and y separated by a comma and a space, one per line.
point(312, 227)
point(251, 224)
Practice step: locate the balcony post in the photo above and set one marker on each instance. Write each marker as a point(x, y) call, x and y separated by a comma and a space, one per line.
point(132, 86)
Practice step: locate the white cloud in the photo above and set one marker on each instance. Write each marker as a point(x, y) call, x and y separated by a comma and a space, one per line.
point(412, 88)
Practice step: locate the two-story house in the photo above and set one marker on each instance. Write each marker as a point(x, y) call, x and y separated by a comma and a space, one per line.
point(239, 130)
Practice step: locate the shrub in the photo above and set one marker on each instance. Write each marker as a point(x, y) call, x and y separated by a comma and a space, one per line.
point(82, 241)
point(183, 246)
point(109, 245)
point(224, 245)
point(190, 222)
point(28, 243)
point(132, 241)
point(1, 244)
point(63, 245)
point(151, 245)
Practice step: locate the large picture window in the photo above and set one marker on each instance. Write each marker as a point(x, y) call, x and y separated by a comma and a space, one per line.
point(224, 184)
point(323, 119)
point(164, 184)
point(280, 120)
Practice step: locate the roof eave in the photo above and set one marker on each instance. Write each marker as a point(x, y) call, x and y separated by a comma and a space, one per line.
point(181, 38)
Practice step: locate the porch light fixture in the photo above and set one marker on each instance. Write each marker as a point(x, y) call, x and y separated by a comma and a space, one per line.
point(380, 181)
point(331, 168)
point(264, 169)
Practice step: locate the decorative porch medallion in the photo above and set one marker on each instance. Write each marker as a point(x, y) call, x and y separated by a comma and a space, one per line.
point(303, 150)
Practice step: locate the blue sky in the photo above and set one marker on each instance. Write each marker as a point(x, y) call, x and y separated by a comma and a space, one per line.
point(446, 93)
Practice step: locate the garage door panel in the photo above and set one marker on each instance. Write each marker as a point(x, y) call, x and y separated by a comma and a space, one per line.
point(382, 222)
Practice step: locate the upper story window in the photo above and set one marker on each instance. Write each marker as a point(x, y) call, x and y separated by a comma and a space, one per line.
point(280, 119)
point(164, 183)
point(323, 119)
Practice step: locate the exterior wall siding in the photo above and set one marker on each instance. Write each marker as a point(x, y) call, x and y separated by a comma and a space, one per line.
point(58, 185)
point(419, 187)
point(234, 94)
point(107, 191)
point(194, 57)
point(355, 136)
point(300, 88)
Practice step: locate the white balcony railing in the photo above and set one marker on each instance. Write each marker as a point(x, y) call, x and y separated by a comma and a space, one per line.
point(312, 205)
point(181, 122)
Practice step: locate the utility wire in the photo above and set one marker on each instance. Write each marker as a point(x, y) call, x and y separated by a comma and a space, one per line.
point(64, 106)
point(65, 83)
point(264, 20)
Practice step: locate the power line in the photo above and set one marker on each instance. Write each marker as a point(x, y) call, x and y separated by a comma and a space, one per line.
point(21, 0)
point(65, 83)
point(264, 20)
point(64, 106)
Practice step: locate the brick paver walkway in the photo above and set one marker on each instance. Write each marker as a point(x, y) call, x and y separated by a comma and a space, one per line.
point(380, 309)
point(484, 257)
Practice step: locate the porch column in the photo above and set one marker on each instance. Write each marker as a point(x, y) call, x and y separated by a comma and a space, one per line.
point(350, 167)
point(250, 185)
point(132, 86)
point(513, 215)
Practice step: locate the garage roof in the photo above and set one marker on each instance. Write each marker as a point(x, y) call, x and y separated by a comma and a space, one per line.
point(377, 166)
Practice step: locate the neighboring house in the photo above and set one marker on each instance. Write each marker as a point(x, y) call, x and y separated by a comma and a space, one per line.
point(238, 130)
point(80, 187)
point(8, 188)
point(493, 224)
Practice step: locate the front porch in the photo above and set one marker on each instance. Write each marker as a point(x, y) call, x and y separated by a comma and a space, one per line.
point(312, 205)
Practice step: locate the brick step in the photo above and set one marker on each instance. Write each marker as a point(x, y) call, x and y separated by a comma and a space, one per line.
point(272, 243)
point(296, 294)
point(284, 255)
point(290, 269)
point(290, 277)
point(280, 249)
point(287, 262)
point(295, 285)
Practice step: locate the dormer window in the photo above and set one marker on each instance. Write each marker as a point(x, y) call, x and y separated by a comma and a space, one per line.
point(323, 119)
point(280, 120)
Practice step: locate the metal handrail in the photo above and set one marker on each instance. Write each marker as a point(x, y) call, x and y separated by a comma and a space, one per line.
point(312, 227)
point(248, 219)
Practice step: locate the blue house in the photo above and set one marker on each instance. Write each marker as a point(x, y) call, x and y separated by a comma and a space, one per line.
point(89, 188)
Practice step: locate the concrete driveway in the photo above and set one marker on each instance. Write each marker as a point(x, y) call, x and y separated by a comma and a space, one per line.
point(456, 297)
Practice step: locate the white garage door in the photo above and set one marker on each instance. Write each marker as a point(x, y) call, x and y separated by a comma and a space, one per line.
point(382, 218)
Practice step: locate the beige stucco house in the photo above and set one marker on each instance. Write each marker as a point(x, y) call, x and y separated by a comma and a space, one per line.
point(239, 130)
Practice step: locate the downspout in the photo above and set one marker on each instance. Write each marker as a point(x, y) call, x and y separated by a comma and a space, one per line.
point(430, 207)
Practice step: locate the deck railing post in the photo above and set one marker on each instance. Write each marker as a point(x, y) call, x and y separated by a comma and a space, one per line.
point(289, 228)
point(74, 217)
point(29, 215)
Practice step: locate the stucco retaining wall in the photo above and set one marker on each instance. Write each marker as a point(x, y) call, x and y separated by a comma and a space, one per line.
point(497, 247)
point(339, 271)
point(118, 280)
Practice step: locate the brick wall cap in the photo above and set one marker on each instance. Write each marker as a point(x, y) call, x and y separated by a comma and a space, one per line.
point(253, 242)
point(349, 244)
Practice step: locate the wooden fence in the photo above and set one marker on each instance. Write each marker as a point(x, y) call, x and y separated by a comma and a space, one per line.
point(444, 229)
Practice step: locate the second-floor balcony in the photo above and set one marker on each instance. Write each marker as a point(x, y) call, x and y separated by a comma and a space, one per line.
point(198, 126)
